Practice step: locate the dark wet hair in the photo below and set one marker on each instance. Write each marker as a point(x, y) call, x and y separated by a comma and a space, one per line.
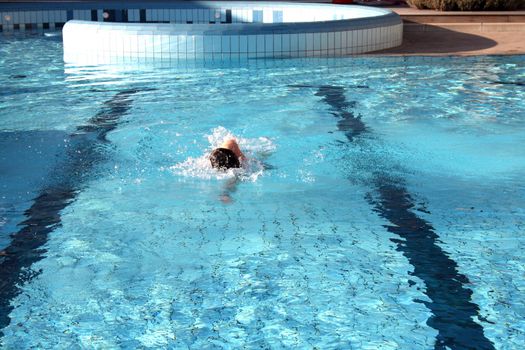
point(223, 158)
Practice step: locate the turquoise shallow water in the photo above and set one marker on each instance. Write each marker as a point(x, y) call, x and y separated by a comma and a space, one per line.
point(384, 201)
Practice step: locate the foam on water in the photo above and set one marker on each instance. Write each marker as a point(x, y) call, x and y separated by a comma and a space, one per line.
point(255, 150)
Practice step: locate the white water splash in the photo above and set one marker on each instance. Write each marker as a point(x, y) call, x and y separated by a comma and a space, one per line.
point(250, 170)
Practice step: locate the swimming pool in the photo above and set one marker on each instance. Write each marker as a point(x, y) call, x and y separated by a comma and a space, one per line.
point(384, 206)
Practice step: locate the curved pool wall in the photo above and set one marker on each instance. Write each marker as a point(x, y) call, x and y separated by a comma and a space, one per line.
point(232, 30)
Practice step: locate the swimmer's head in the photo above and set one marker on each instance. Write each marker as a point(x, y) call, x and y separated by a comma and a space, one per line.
point(223, 158)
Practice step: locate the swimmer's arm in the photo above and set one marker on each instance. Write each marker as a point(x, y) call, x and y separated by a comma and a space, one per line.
point(232, 145)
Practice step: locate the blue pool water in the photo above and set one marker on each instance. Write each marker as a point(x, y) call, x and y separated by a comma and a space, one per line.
point(383, 206)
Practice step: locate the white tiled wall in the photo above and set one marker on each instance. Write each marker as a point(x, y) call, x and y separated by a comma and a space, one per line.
point(107, 43)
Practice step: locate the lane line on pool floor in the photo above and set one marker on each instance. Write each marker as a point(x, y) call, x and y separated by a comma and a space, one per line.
point(452, 309)
point(26, 247)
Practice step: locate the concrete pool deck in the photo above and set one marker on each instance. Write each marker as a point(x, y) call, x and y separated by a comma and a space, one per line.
point(441, 33)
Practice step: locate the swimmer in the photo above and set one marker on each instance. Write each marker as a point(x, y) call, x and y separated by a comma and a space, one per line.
point(227, 156)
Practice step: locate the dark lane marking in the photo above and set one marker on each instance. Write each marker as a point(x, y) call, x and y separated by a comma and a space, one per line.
point(517, 83)
point(451, 306)
point(329, 86)
point(8, 91)
point(351, 125)
point(108, 118)
point(43, 216)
